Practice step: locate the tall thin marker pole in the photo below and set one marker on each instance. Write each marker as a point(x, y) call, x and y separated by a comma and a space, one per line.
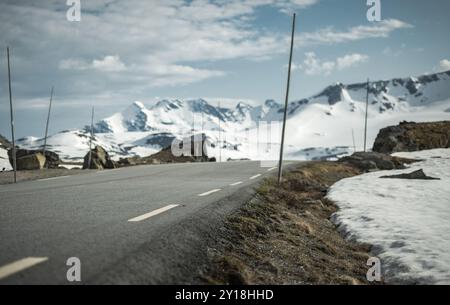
point(48, 120)
point(220, 138)
point(12, 118)
point(90, 140)
point(365, 120)
point(280, 165)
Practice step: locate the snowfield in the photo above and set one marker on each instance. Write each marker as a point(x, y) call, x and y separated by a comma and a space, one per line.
point(407, 221)
point(4, 160)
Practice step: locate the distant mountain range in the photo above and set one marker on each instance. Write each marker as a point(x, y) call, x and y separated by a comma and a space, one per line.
point(318, 127)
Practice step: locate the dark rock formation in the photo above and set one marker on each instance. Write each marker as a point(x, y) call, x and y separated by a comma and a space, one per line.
point(409, 136)
point(417, 175)
point(372, 161)
point(100, 159)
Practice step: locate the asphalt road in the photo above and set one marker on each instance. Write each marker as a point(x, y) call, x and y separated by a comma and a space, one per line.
point(136, 225)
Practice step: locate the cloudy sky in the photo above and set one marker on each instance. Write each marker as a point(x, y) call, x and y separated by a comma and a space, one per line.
point(127, 50)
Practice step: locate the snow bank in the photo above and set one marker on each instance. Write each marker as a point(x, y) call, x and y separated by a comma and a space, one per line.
point(4, 160)
point(407, 221)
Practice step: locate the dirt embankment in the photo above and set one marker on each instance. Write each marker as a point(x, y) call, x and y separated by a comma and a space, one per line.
point(284, 235)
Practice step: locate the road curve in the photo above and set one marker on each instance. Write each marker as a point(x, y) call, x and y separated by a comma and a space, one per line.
point(136, 225)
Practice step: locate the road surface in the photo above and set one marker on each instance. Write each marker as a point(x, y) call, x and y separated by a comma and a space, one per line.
point(136, 225)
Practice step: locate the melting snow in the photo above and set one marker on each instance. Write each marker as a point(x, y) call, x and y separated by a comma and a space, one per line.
point(407, 221)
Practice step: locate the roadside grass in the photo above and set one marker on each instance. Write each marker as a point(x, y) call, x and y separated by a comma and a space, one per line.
point(284, 235)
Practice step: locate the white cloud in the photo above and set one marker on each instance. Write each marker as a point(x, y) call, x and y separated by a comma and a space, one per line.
point(444, 65)
point(108, 63)
point(312, 65)
point(350, 60)
point(159, 43)
point(330, 36)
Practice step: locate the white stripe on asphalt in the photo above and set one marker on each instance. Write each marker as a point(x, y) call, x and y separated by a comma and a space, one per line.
point(256, 176)
point(153, 213)
point(209, 193)
point(20, 265)
point(237, 183)
point(53, 178)
point(271, 169)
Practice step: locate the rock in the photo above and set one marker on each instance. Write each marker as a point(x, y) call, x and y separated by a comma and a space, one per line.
point(52, 159)
point(410, 136)
point(100, 159)
point(27, 160)
point(370, 161)
point(417, 175)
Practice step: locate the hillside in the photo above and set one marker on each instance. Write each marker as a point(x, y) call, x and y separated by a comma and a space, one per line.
point(318, 127)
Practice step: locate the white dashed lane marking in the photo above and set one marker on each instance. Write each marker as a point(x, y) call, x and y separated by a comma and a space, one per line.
point(153, 213)
point(236, 183)
point(20, 265)
point(209, 193)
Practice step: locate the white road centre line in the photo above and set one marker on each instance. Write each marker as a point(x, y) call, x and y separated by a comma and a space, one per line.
point(236, 183)
point(255, 176)
point(209, 193)
point(271, 169)
point(20, 265)
point(53, 178)
point(153, 213)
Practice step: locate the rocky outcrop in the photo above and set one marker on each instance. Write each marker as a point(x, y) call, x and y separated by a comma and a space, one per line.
point(410, 136)
point(416, 175)
point(4, 143)
point(99, 159)
point(34, 159)
point(372, 161)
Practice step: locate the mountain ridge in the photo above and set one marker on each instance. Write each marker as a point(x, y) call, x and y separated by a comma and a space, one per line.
point(141, 130)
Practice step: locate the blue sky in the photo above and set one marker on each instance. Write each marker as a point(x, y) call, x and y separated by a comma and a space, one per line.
point(122, 51)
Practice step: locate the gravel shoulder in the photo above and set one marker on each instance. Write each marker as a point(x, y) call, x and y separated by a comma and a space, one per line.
point(8, 177)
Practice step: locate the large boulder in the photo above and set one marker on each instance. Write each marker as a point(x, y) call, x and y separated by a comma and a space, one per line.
point(410, 136)
point(34, 159)
point(27, 159)
point(100, 159)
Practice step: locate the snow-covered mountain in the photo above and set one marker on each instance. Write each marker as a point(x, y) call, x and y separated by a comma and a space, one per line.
point(320, 126)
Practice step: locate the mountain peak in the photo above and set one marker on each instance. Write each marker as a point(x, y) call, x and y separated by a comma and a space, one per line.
point(272, 104)
point(333, 93)
point(138, 104)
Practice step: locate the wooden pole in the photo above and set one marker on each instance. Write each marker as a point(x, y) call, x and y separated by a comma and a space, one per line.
point(366, 117)
point(90, 140)
point(220, 137)
point(280, 165)
point(12, 118)
point(48, 120)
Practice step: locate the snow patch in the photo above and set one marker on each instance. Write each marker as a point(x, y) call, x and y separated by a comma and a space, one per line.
point(407, 221)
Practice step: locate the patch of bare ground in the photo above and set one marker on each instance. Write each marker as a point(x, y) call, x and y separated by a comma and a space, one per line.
point(28, 175)
point(284, 235)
